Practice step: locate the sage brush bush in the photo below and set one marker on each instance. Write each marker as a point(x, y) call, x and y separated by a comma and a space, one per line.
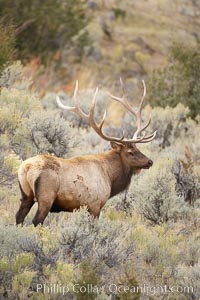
point(22, 101)
point(178, 82)
point(187, 181)
point(13, 262)
point(85, 100)
point(156, 199)
point(190, 277)
point(151, 238)
point(8, 169)
point(12, 76)
point(44, 132)
point(172, 124)
point(84, 237)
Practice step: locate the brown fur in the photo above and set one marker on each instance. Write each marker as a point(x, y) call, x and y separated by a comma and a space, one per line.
point(59, 184)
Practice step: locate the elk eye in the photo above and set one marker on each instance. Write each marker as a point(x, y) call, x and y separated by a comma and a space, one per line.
point(131, 153)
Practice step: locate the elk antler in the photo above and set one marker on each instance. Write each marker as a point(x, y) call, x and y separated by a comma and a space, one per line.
point(90, 116)
point(124, 101)
point(98, 127)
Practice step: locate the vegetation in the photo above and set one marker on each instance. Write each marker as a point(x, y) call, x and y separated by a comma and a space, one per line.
point(146, 244)
point(178, 82)
point(52, 23)
point(148, 231)
point(7, 41)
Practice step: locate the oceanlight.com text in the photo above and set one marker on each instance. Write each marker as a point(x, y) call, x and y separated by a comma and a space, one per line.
point(113, 289)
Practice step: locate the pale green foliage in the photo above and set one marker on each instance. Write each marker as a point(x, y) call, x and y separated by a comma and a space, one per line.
point(85, 100)
point(23, 101)
point(10, 239)
point(120, 247)
point(22, 119)
point(44, 27)
point(22, 259)
point(10, 118)
point(44, 132)
point(92, 139)
point(7, 42)
point(9, 162)
point(9, 166)
point(103, 296)
point(12, 77)
point(98, 246)
point(75, 248)
point(190, 277)
point(103, 241)
point(156, 199)
point(171, 123)
point(187, 179)
point(16, 107)
point(178, 82)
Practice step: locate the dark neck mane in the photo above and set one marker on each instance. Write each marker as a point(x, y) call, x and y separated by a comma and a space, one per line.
point(119, 174)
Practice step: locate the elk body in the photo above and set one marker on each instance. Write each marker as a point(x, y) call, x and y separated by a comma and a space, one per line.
point(59, 184)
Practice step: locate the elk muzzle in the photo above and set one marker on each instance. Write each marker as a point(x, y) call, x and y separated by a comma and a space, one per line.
point(150, 164)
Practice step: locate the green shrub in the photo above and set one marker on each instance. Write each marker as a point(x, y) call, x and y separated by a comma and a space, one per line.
point(170, 123)
point(43, 27)
point(179, 81)
point(12, 77)
point(189, 277)
point(13, 261)
point(87, 275)
point(25, 255)
point(44, 132)
point(156, 199)
point(102, 242)
point(8, 169)
point(22, 101)
point(7, 49)
point(85, 100)
point(187, 181)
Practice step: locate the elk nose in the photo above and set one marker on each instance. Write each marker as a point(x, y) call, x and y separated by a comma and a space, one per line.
point(150, 163)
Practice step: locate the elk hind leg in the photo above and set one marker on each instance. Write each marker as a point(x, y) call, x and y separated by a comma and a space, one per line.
point(27, 202)
point(45, 197)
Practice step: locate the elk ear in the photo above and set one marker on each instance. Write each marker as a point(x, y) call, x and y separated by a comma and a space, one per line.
point(116, 146)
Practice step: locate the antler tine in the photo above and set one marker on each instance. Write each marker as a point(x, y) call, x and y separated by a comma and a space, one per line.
point(76, 92)
point(123, 88)
point(78, 109)
point(61, 105)
point(120, 99)
point(98, 128)
point(137, 114)
point(75, 108)
point(123, 100)
point(146, 125)
point(149, 138)
point(144, 94)
point(89, 117)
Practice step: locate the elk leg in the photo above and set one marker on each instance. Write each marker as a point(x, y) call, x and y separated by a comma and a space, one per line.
point(94, 212)
point(26, 204)
point(45, 186)
point(43, 210)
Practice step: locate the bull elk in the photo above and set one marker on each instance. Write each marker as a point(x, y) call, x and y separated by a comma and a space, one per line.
point(60, 184)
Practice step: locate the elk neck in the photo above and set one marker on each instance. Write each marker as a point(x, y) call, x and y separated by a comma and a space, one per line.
point(119, 173)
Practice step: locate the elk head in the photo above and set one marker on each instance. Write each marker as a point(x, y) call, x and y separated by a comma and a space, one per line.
point(126, 148)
